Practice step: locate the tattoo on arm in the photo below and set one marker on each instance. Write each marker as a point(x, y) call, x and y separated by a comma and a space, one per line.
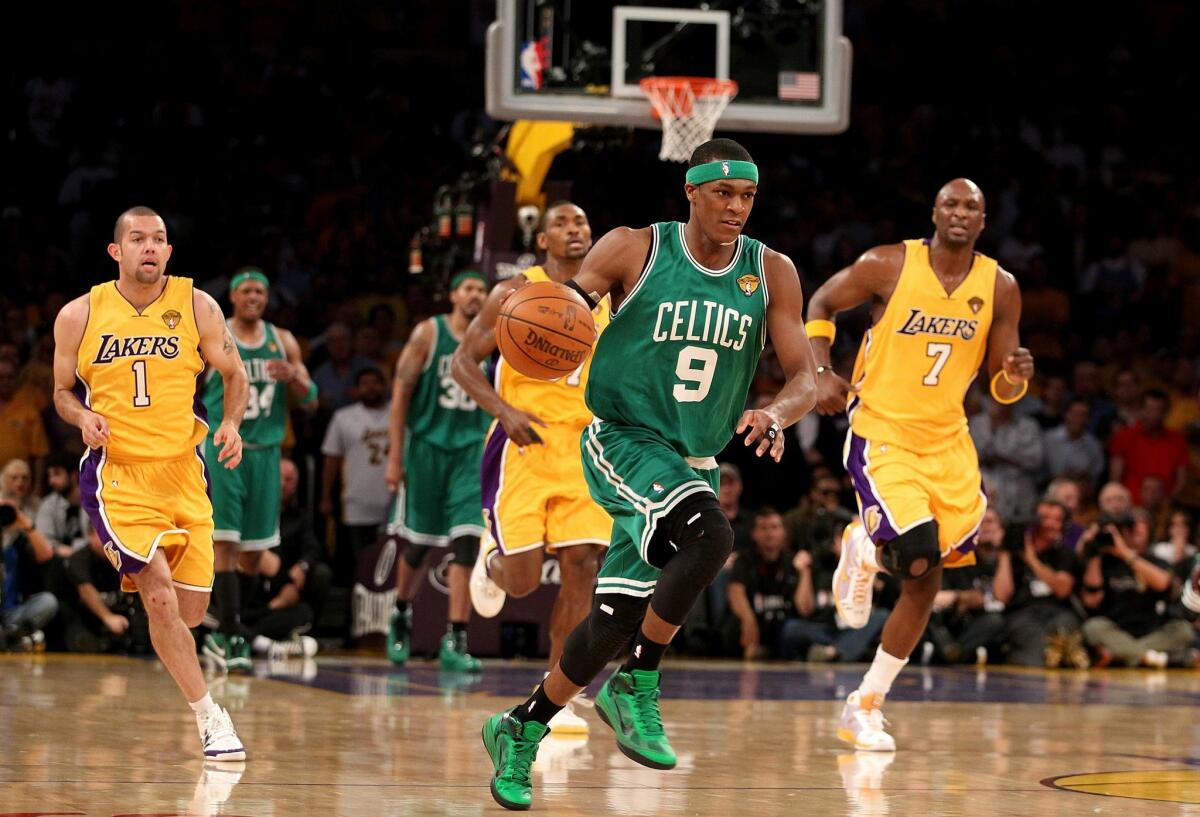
point(227, 346)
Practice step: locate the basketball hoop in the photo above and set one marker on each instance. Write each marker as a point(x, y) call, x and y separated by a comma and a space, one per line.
point(689, 108)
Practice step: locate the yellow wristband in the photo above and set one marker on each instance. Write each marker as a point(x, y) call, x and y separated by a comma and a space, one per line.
point(821, 329)
point(1007, 400)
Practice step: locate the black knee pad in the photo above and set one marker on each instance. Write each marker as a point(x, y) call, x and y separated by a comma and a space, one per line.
point(415, 554)
point(601, 636)
point(466, 548)
point(914, 553)
point(697, 524)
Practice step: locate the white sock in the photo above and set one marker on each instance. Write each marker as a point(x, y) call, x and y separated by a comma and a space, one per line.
point(883, 671)
point(203, 705)
point(261, 644)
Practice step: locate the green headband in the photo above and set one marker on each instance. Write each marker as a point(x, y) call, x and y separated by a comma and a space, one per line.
point(722, 169)
point(457, 280)
point(248, 275)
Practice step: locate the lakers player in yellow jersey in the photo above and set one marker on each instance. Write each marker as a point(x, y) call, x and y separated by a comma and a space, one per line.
point(534, 495)
point(128, 359)
point(940, 312)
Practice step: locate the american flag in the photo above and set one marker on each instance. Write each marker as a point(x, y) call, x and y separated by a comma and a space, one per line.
point(800, 86)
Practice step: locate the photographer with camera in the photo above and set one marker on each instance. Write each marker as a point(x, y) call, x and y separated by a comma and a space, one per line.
point(24, 607)
point(1035, 577)
point(1128, 592)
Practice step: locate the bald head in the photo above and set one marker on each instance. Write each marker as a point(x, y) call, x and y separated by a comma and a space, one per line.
point(958, 213)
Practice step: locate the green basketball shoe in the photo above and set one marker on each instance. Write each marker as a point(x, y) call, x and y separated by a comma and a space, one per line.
point(399, 631)
point(513, 746)
point(453, 655)
point(628, 702)
point(239, 655)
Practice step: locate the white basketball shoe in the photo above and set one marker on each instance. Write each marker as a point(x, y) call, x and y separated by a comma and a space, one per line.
point(854, 578)
point(863, 725)
point(486, 596)
point(568, 722)
point(218, 737)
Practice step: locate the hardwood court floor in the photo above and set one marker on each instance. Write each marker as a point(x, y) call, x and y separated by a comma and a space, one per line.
point(103, 736)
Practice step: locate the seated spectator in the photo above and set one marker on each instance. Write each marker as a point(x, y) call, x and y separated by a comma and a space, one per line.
point(1156, 507)
point(763, 590)
point(22, 433)
point(1035, 577)
point(812, 627)
point(1115, 499)
point(60, 517)
point(1127, 398)
point(1177, 550)
point(336, 376)
point(293, 581)
point(1010, 458)
point(16, 487)
point(1149, 448)
point(1087, 385)
point(966, 624)
point(1127, 591)
point(1051, 404)
point(701, 632)
point(1071, 450)
point(1066, 492)
point(822, 503)
point(731, 505)
point(25, 607)
point(101, 618)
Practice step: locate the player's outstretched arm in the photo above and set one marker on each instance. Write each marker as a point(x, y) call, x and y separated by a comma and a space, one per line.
point(218, 348)
point(786, 328)
point(615, 261)
point(409, 366)
point(872, 277)
point(293, 371)
point(68, 334)
point(1009, 365)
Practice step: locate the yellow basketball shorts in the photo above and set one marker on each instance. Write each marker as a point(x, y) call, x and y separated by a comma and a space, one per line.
point(536, 497)
point(899, 489)
point(137, 508)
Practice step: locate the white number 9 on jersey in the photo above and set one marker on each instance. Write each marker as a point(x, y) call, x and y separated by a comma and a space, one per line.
point(701, 377)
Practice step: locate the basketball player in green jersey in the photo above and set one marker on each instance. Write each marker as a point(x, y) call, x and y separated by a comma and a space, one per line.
point(246, 500)
point(692, 305)
point(434, 468)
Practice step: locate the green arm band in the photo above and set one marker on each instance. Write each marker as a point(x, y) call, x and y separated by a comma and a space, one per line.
point(311, 394)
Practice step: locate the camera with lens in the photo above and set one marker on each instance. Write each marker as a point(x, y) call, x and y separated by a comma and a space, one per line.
point(8, 515)
point(1102, 542)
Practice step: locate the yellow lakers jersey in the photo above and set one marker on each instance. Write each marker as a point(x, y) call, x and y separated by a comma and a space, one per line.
point(558, 401)
point(916, 363)
point(140, 371)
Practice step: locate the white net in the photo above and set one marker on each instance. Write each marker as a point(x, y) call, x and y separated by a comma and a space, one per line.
point(689, 109)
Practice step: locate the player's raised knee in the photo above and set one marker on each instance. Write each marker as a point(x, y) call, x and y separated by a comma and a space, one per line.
point(913, 554)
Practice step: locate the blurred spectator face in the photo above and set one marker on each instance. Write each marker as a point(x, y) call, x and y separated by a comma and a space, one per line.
point(1054, 391)
point(16, 481)
point(1114, 499)
point(58, 479)
point(1154, 411)
point(1154, 493)
point(958, 213)
point(991, 531)
point(1087, 379)
point(371, 389)
point(249, 301)
point(367, 343)
point(289, 480)
point(8, 379)
point(1180, 529)
point(827, 493)
point(731, 489)
point(1067, 492)
point(383, 320)
point(1126, 388)
point(1051, 522)
point(565, 233)
point(1139, 536)
point(769, 536)
point(10, 353)
point(337, 341)
point(1077, 418)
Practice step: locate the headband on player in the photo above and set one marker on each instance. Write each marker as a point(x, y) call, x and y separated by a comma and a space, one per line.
point(722, 169)
point(457, 280)
point(248, 275)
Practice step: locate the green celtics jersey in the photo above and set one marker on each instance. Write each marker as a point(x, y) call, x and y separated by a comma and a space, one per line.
point(265, 421)
point(681, 350)
point(441, 413)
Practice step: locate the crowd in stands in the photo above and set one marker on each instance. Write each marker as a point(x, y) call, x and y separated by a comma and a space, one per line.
point(306, 162)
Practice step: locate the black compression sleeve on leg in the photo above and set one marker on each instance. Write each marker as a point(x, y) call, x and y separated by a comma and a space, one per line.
point(601, 636)
point(415, 554)
point(465, 549)
point(699, 540)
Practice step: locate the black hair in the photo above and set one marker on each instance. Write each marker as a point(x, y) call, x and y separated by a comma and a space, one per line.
point(119, 227)
point(364, 370)
point(716, 149)
point(1156, 394)
point(551, 206)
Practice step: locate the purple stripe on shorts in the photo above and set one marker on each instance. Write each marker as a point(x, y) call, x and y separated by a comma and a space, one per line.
point(856, 466)
point(973, 537)
point(198, 407)
point(89, 484)
point(80, 390)
point(491, 472)
point(207, 478)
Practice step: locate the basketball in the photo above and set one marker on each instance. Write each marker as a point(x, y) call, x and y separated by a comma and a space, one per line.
point(545, 330)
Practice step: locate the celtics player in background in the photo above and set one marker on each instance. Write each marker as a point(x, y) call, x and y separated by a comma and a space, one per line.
point(693, 305)
point(434, 452)
point(246, 500)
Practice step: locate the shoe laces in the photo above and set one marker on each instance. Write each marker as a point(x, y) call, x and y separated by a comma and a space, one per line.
point(286, 649)
point(871, 718)
point(646, 711)
point(216, 725)
point(520, 760)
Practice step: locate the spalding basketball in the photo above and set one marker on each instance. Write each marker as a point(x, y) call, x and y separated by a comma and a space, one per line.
point(545, 330)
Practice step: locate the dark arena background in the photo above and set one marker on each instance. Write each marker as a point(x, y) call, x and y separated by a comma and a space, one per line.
point(335, 168)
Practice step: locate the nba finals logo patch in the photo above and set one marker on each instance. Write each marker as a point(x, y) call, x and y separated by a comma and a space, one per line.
point(976, 304)
point(748, 284)
point(872, 518)
point(114, 555)
point(725, 168)
point(272, 347)
point(171, 318)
